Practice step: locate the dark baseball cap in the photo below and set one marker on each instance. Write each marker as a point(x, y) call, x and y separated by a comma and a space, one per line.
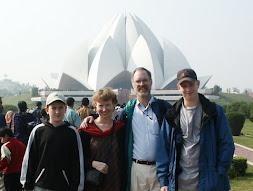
point(186, 74)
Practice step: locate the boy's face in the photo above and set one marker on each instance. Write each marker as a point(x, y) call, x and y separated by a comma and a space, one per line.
point(56, 111)
point(189, 90)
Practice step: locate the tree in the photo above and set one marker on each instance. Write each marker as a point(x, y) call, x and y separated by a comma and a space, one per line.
point(35, 92)
point(245, 109)
point(9, 107)
point(216, 90)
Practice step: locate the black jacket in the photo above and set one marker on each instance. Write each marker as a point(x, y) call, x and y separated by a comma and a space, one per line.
point(53, 159)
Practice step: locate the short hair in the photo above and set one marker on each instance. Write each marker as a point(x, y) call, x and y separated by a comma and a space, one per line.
point(43, 113)
point(6, 131)
point(104, 94)
point(85, 101)
point(38, 103)
point(22, 106)
point(70, 101)
point(142, 68)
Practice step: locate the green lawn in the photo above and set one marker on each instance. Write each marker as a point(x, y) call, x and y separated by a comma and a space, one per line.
point(13, 100)
point(248, 128)
point(228, 98)
point(247, 138)
point(244, 183)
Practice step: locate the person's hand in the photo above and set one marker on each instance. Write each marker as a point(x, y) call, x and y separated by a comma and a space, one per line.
point(164, 188)
point(100, 166)
point(86, 121)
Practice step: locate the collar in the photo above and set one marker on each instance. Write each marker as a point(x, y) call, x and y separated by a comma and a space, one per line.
point(93, 130)
point(149, 102)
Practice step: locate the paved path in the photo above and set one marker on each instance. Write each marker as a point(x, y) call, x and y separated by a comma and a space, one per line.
point(244, 152)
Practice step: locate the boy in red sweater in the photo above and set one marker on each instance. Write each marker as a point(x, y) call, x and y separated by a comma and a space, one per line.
point(12, 153)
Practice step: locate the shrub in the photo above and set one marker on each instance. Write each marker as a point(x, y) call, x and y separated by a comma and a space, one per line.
point(236, 121)
point(238, 167)
point(9, 107)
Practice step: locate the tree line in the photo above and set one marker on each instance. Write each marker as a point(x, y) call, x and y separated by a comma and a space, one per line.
point(246, 108)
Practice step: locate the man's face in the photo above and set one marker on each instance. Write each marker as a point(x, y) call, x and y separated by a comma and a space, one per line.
point(189, 90)
point(141, 83)
point(56, 111)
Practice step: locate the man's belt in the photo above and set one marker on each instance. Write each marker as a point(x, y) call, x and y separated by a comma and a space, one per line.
point(144, 162)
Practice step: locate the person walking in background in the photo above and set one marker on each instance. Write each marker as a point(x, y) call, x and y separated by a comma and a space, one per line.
point(37, 113)
point(21, 120)
point(9, 119)
point(12, 153)
point(54, 156)
point(84, 111)
point(195, 146)
point(71, 116)
point(44, 116)
point(2, 125)
point(2, 118)
point(103, 143)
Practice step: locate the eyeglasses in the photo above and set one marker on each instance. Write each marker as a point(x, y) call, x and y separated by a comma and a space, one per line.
point(145, 81)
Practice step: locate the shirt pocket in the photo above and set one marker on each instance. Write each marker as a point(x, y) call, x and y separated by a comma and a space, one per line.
point(155, 130)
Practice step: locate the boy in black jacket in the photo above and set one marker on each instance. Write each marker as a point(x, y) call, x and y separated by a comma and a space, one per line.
point(54, 155)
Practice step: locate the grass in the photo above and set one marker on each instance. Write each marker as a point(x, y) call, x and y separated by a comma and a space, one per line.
point(247, 138)
point(228, 98)
point(243, 183)
point(13, 100)
point(248, 128)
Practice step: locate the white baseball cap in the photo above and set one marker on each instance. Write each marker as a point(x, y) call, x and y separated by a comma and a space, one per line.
point(55, 96)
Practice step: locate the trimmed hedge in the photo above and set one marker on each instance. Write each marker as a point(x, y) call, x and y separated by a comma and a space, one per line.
point(9, 107)
point(238, 167)
point(236, 121)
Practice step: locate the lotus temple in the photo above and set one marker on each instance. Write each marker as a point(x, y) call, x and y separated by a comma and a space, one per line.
point(124, 44)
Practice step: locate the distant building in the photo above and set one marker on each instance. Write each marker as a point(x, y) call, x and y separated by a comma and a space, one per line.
point(125, 43)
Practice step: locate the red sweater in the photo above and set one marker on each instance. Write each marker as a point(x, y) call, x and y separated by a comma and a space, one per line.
point(17, 150)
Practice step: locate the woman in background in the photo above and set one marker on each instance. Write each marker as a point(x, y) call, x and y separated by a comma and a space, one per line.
point(9, 120)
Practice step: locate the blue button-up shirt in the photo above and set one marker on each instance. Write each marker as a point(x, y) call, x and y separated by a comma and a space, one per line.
point(72, 117)
point(145, 132)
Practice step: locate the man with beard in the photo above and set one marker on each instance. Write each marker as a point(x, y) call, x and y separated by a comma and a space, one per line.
point(143, 117)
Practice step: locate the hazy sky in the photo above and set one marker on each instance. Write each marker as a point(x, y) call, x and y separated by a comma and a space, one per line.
point(216, 36)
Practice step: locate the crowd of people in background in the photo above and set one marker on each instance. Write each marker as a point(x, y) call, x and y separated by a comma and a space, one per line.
point(146, 144)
